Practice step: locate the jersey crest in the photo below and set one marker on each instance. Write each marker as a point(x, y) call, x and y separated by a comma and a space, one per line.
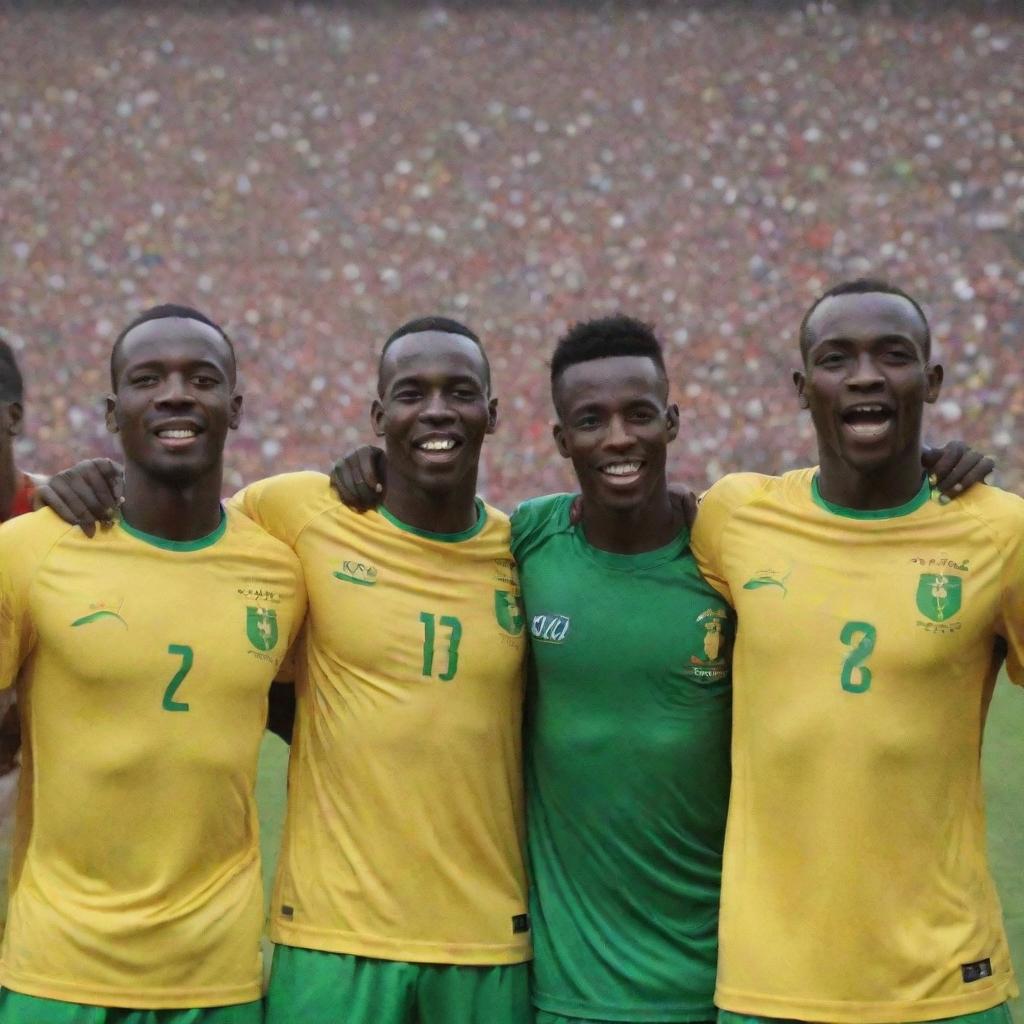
point(939, 595)
point(508, 613)
point(712, 663)
point(261, 627)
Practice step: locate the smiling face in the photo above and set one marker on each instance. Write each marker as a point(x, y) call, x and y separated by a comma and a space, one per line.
point(433, 412)
point(615, 423)
point(866, 379)
point(175, 399)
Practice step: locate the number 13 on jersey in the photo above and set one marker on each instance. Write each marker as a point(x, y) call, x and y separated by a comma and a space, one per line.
point(450, 629)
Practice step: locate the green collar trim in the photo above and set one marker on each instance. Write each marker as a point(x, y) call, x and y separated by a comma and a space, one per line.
point(178, 545)
point(641, 559)
point(444, 538)
point(919, 499)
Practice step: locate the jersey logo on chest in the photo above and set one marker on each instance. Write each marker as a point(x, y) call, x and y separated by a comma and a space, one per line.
point(939, 595)
point(550, 629)
point(261, 627)
point(712, 663)
point(508, 613)
point(360, 573)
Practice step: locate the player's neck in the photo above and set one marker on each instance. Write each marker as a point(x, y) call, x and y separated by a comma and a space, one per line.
point(632, 531)
point(452, 511)
point(10, 481)
point(171, 511)
point(889, 486)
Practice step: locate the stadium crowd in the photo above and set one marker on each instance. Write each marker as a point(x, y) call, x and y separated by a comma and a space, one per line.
point(313, 175)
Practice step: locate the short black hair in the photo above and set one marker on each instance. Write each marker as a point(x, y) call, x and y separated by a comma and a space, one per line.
point(442, 324)
point(617, 335)
point(12, 387)
point(864, 286)
point(166, 311)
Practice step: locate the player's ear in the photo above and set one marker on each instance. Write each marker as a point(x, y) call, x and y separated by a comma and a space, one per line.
point(933, 375)
point(14, 419)
point(111, 414)
point(800, 383)
point(492, 415)
point(236, 411)
point(672, 420)
point(377, 417)
point(558, 433)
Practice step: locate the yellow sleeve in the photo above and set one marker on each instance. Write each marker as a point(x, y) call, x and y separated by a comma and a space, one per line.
point(283, 505)
point(716, 508)
point(24, 544)
point(1012, 605)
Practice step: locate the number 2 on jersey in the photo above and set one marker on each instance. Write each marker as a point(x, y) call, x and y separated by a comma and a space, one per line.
point(856, 676)
point(185, 653)
point(454, 636)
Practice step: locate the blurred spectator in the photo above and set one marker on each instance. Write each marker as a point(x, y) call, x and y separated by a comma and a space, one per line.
point(315, 174)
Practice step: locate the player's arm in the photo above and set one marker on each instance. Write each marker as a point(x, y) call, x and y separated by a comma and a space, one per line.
point(360, 478)
point(281, 709)
point(955, 467)
point(87, 494)
point(10, 733)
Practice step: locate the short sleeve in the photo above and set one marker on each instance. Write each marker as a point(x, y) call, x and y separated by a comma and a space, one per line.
point(20, 552)
point(705, 539)
point(283, 505)
point(1012, 607)
point(536, 518)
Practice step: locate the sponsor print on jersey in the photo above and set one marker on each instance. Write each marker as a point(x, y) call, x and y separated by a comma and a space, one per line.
point(939, 595)
point(508, 613)
point(261, 627)
point(550, 629)
point(357, 572)
point(768, 578)
point(100, 610)
point(711, 665)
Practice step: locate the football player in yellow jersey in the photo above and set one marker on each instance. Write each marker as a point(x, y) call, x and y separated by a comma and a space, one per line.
point(142, 661)
point(401, 891)
point(872, 623)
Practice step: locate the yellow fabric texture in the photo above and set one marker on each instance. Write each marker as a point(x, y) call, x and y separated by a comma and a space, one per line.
point(142, 676)
point(403, 837)
point(856, 885)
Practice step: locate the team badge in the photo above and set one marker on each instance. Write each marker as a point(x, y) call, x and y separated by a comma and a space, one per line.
point(939, 595)
point(712, 664)
point(508, 613)
point(261, 627)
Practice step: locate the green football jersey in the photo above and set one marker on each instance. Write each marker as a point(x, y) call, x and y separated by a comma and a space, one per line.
point(627, 738)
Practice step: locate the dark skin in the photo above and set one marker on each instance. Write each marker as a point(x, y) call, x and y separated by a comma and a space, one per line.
point(615, 423)
point(10, 477)
point(433, 411)
point(175, 401)
point(866, 379)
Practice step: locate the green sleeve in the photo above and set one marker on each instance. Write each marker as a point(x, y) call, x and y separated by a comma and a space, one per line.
point(538, 518)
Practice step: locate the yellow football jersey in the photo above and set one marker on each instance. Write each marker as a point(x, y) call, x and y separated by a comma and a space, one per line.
point(142, 671)
point(403, 838)
point(856, 886)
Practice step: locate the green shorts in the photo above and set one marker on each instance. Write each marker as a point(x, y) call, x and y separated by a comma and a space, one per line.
point(543, 1017)
point(16, 1008)
point(335, 988)
point(997, 1015)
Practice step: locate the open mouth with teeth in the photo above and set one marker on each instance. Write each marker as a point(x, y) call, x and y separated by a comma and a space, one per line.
point(868, 421)
point(437, 449)
point(177, 437)
point(624, 471)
